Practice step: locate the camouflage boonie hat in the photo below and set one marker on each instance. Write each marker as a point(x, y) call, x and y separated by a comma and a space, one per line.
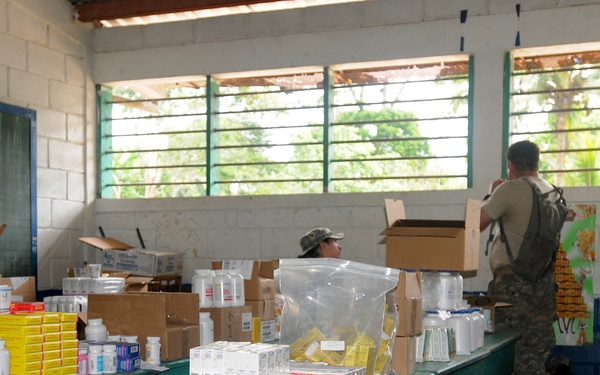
point(316, 236)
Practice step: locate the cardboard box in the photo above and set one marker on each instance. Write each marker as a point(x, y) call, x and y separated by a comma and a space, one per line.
point(165, 283)
point(264, 309)
point(451, 245)
point(232, 323)
point(488, 305)
point(118, 256)
point(410, 304)
point(133, 283)
point(171, 316)
point(259, 283)
point(23, 288)
point(403, 355)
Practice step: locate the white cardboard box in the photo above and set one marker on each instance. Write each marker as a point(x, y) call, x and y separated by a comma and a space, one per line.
point(117, 256)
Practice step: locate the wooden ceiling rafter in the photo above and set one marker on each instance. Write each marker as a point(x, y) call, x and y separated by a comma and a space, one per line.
point(116, 9)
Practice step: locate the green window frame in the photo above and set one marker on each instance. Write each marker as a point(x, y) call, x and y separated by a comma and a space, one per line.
point(553, 99)
point(393, 126)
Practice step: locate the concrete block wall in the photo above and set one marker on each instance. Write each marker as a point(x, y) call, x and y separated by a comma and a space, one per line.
point(44, 66)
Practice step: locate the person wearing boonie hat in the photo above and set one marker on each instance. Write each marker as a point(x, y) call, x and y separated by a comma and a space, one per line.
point(321, 243)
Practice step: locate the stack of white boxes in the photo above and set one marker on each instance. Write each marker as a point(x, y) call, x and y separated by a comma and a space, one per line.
point(241, 358)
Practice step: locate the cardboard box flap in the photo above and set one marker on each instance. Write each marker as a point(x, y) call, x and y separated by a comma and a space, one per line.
point(485, 301)
point(409, 285)
point(394, 211)
point(2, 228)
point(105, 243)
point(473, 213)
point(23, 288)
point(396, 217)
point(450, 232)
point(268, 267)
point(151, 251)
point(133, 280)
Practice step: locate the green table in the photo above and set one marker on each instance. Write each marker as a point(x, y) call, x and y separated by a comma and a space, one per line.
point(496, 357)
point(177, 367)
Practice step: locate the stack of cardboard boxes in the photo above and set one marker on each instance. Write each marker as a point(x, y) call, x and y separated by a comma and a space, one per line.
point(409, 301)
point(255, 321)
point(450, 245)
point(171, 316)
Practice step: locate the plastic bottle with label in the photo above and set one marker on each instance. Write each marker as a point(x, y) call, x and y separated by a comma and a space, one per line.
point(82, 359)
point(430, 281)
point(95, 330)
point(153, 350)
point(95, 359)
point(474, 330)
point(222, 293)
point(432, 319)
point(480, 325)
point(4, 359)
point(129, 338)
point(5, 298)
point(446, 290)
point(109, 364)
point(238, 293)
point(460, 321)
point(207, 329)
point(113, 338)
point(202, 283)
point(458, 302)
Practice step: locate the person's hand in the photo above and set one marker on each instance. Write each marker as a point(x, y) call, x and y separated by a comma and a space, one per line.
point(495, 184)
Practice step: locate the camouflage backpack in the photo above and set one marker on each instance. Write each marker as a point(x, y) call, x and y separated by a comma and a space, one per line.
point(542, 238)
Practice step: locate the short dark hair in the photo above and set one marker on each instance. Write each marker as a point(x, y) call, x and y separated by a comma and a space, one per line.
point(524, 155)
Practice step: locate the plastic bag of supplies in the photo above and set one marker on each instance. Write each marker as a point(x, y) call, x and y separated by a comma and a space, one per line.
point(339, 312)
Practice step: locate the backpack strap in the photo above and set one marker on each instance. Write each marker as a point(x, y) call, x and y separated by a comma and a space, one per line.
point(502, 238)
point(505, 240)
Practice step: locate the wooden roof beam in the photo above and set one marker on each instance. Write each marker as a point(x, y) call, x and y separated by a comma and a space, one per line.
point(115, 9)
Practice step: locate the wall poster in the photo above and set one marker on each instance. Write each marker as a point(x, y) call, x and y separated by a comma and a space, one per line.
point(574, 269)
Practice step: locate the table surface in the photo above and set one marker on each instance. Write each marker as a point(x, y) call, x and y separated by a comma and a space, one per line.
point(493, 342)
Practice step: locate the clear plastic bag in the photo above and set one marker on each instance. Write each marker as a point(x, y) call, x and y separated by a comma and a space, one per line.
point(338, 311)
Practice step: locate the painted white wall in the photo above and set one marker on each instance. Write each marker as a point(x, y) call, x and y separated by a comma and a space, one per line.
point(45, 61)
point(264, 227)
point(253, 227)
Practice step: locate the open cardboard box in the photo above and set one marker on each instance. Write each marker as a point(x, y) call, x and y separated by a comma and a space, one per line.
point(23, 288)
point(488, 305)
point(259, 276)
point(115, 255)
point(451, 245)
point(171, 316)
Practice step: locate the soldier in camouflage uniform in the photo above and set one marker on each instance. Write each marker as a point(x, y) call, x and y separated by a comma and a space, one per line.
point(532, 314)
point(533, 310)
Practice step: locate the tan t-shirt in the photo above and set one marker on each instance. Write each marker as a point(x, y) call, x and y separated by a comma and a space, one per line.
point(512, 200)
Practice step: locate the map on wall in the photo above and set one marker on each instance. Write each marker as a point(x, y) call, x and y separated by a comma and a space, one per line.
point(574, 269)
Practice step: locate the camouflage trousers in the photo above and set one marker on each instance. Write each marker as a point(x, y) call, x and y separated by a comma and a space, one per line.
point(532, 314)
